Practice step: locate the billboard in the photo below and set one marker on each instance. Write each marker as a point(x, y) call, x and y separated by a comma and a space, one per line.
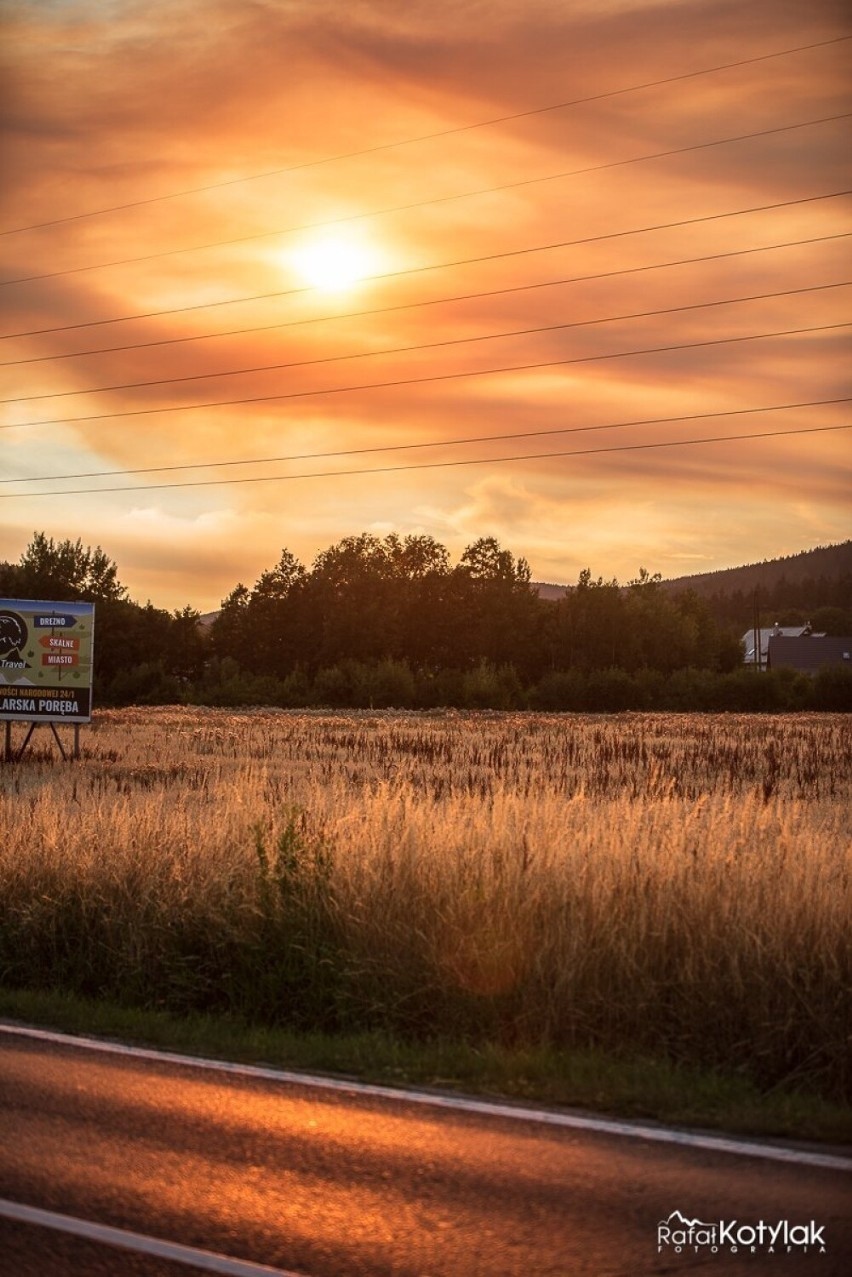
point(46, 661)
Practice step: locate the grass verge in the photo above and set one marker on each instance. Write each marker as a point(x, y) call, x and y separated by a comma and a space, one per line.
point(638, 1088)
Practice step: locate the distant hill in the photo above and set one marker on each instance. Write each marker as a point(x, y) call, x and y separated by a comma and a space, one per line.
point(547, 591)
point(829, 561)
point(813, 586)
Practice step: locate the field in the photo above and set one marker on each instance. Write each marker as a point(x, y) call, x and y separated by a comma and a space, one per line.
point(670, 885)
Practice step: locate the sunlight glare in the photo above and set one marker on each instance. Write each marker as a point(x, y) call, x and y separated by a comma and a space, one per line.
point(334, 264)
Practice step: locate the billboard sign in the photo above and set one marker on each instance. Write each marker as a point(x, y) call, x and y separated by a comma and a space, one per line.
point(46, 661)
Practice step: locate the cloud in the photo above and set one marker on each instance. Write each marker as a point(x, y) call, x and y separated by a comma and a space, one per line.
point(112, 105)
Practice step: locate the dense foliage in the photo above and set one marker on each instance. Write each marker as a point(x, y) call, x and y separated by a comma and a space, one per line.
point(815, 587)
point(391, 622)
point(143, 652)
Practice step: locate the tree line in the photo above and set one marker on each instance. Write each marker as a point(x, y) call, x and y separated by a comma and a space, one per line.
point(391, 621)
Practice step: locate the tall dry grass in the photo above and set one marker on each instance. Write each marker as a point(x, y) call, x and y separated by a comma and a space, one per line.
point(676, 885)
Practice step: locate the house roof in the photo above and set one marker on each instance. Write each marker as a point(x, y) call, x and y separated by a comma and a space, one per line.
point(810, 653)
point(766, 633)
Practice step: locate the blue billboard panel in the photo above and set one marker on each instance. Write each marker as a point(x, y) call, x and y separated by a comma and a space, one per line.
point(46, 661)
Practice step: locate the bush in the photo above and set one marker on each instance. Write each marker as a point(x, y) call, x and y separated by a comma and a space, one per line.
point(560, 690)
point(293, 964)
point(295, 690)
point(390, 684)
point(335, 686)
point(146, 684)
point(832, 689)
point(436, 688)
point(611, 690)
point(487, 687)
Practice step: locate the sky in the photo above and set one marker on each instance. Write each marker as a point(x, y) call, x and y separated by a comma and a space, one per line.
point(453, 269)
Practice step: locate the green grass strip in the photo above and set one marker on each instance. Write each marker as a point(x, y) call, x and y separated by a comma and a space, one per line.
point(643, 1088)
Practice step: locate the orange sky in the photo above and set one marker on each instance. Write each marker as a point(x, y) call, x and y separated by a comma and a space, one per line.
point(110, 102)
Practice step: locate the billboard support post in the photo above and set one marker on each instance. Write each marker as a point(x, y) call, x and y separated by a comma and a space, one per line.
point(46, 652)
point(13, 755)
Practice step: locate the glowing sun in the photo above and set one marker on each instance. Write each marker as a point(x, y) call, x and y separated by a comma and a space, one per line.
point(333, 263)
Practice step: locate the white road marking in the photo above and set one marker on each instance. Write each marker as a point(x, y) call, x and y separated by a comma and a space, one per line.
point(515, 1112)
point(207, 1260)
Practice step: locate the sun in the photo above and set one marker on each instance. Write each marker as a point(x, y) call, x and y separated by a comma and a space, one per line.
point(334, 263)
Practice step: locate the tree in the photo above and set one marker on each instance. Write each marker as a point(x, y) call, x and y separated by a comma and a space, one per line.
point(645, 580)
point(352, 601)
point(186, 648)
point(127, 636)
point(272, 621)
point(51, 569)
point(590, 626)
point(277, 584)
point(417, 556)
point(229, 633)
point(421, 569)
point(484, 561)
point(494, 610)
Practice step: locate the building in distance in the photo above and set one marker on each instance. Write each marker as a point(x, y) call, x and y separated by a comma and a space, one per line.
point(809, 653)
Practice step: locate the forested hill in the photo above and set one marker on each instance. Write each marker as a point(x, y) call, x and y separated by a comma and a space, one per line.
point(392, 622)
point(815, 586)
point(829, 561)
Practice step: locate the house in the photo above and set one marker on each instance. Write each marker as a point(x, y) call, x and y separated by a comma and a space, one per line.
point(810, 653)
point(774, 631)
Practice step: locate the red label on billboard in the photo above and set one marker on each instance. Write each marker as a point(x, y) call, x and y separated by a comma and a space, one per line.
point(57, 642)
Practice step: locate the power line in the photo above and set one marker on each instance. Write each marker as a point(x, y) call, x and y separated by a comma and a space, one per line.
point(431, 443)
point(426, 137)
point(437, 301)
point(418, 381)
point(436, 465)
point(464, 261)
point(421, 346)
point(444, 199)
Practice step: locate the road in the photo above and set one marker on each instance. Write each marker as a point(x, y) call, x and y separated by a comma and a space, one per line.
point(337, 1182)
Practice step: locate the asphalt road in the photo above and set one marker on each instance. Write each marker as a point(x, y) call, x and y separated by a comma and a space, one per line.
point(342, 1184)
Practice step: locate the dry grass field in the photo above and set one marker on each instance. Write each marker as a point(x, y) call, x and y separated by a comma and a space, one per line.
point(676, 885)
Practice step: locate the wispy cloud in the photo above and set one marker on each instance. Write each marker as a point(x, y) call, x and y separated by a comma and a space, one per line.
point(111, 105)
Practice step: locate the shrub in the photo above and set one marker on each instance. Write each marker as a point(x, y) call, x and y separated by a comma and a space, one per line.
point(832, 689)
point(560, 690)
point(610, 690)
point(487, 687)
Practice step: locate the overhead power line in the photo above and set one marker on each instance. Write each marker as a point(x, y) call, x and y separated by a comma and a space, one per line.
point(421, 346)
point(425, 137)
point(463, 261)
point(437, 465)
point(443, 199)
point(430, 443)
point(435, 301)
point(419, 381)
